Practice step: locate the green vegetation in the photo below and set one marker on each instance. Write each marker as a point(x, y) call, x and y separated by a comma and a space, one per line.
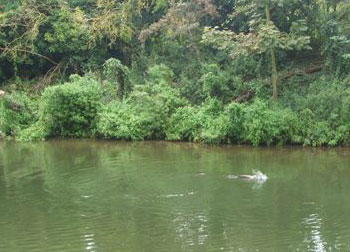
point(266, 72)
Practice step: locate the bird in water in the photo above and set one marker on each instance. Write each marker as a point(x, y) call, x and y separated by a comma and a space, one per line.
point(257, 176)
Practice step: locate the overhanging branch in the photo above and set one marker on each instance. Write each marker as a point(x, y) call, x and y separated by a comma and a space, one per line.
point(30, 52)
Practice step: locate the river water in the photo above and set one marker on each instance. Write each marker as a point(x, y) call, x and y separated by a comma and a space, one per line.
point(82, 195)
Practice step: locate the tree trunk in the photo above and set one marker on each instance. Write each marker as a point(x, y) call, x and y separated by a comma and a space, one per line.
point(120, 86)
point(275, 78)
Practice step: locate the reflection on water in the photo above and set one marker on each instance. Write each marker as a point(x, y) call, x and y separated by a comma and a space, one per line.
point(191, 230)
point(314, 239)
point(80, 195)
point(89, 240)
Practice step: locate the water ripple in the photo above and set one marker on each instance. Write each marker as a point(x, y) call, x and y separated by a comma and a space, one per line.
point(73, 196)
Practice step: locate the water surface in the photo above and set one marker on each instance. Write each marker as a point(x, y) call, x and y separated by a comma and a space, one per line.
point(80, 195)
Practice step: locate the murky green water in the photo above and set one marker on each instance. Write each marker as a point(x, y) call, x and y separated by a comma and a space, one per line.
point(155, 196)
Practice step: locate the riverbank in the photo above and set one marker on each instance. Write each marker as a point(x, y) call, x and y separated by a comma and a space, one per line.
point(216, 72)
point(80, 108)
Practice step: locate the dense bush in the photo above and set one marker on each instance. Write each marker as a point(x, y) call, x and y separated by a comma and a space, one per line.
point(258, 124)
point(156, 110)
point(145, 113)
point(213, 122)
point(328, 99)
point(337, 55)
point(116, 75)
point(219, 84)
point(71, 109)
point(264, 125)
point(235, 118)
point(184, 124)
point(120, 121)
point(316, 132)
point(17, 111)
point(206, 123)
point(250, 67)
point(137, 118)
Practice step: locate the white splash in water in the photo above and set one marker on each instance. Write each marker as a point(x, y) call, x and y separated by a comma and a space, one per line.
point(257, 177)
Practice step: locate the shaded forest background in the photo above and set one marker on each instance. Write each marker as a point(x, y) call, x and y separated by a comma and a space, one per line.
point(214, 71)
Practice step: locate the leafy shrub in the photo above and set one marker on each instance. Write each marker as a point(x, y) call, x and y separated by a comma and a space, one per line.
point(261, 124)
point(191, 89)
point(213, 122)
point(264, 125)
point(35, 132)
point(324, 114)
point(71, 109)
point(290, 127)
point(116, 73)
point(323, 101)
point(206, 123)
point(219, 84)
point(143, 115)
point(184, 124)
point(160, 74)
point(235, 115)
point(250, 67)
point(256, 124)
point(17, 111)
point(341, 136)
point(319, 134)
point(337, 55)
point(119, 121)
point(214, 130)
point(140, 117)
point(328, 99)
